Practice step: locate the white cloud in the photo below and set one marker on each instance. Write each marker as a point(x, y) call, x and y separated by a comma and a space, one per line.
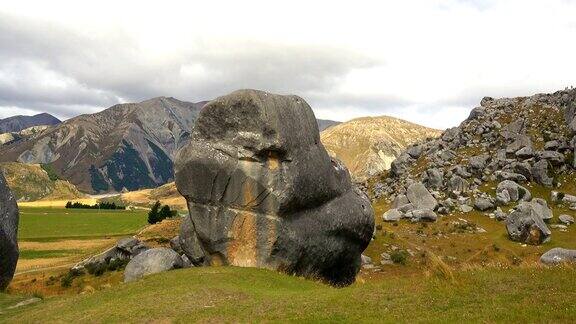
point(428, 61)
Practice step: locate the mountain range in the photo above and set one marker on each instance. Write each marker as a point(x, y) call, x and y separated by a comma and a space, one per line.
point(125, 147)
point(131, 146)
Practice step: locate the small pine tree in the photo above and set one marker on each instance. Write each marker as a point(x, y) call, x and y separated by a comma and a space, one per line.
point(154, 215)
point(69, 204)
point(165, 212)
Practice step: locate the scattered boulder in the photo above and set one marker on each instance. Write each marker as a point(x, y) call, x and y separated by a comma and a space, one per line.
point(433, 178)
point(399, 201)
point(466, 208)
point(263, 192)
point(9, 216)
point(500, 215)
point(483, 204)
point(458, 185)
point(516, 177)
point(420, 215)
point(540, 173)
point(152, 261)
point(558, 256)
point(478, 163)
point(525, 152)
point(415, 151)
point(400, 165)
point(540, 207)
point(555, 158)
point(513, 191)
point(420, 197)
point(392, 215)
point(524, 225)
point(566, 219)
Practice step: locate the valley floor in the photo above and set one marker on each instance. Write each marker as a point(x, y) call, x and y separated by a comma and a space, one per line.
point(229, 294)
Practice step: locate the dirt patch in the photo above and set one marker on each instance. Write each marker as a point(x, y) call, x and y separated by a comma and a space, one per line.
point(33, 264)
point(67, 244)
point(167, 228)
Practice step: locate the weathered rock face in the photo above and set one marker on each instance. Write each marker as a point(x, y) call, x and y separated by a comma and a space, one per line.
point(8, 234)
point(263, 192)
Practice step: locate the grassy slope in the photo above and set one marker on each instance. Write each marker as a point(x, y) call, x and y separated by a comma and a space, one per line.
point(228, 294)
point(30, 182)
point(59, 223)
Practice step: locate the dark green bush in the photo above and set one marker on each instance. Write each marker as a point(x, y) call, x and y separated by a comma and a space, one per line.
point(399, 257)
point(158, 214)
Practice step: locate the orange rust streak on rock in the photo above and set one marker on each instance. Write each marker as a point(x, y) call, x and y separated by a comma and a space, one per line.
point(243, 249)
point(273, 161)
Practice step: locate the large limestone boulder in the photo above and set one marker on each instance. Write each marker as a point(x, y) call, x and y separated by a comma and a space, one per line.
point(152, 261)
point(263, 192)
point(8, 234)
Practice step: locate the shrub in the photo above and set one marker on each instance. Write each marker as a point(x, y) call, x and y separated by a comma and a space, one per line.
point(399, 257)
point(67, 279)
point(101, 205)
point(158, 214)
point(154, 214)
point(50, 171)
point(97, 269)
point(117, 264)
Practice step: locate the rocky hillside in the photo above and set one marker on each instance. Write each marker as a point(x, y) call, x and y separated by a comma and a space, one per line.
point(127, 146)
point(512, 160)
point(368, 145)
point(25, 134)
point(31, 182)
point(16, 124)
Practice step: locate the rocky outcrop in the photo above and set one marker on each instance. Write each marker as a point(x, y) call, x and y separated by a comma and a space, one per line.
point(502, 151)
point(8, 234)
point(263, 192)
point(124, 250)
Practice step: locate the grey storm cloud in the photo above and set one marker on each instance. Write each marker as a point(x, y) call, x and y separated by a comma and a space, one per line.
point(46, 67)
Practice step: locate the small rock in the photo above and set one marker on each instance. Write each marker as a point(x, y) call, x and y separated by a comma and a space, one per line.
point(392, 215)
point(483, 204)
point(465, 208)
point(566, 219)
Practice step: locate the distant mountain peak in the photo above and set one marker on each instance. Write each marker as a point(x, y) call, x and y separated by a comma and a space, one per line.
point(18, 123)
point(368, 145)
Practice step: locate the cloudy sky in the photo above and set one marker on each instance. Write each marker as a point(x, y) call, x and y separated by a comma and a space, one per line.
point(428, 61)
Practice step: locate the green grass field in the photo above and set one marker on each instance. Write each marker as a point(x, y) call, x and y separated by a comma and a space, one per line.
point(228, 294)
point(38, 224)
